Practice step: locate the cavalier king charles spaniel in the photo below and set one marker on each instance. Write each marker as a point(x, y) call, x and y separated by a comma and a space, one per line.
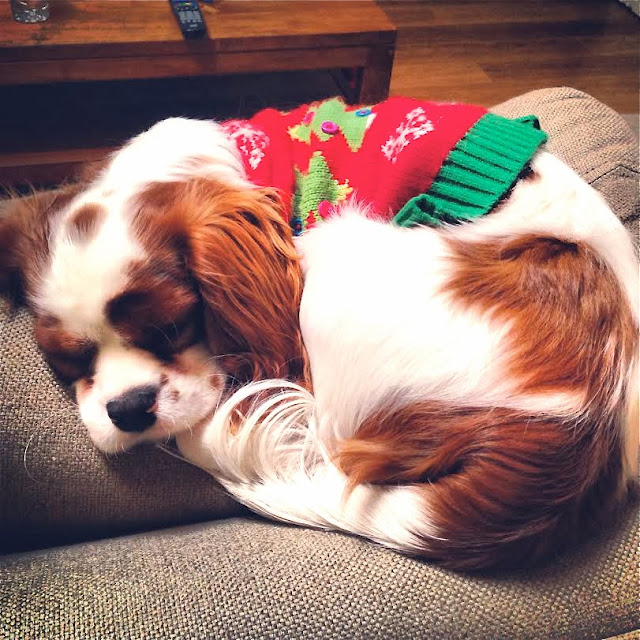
point(464, 392)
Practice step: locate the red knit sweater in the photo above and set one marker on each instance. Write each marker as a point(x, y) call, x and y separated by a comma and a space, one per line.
point(320, 155)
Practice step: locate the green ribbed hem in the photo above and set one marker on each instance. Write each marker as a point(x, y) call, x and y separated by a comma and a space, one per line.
point(477, 173)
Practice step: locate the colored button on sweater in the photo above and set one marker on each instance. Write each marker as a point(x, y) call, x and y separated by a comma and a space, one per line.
point(411, 161)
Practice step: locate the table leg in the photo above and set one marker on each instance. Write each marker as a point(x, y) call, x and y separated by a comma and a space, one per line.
point(376, 76)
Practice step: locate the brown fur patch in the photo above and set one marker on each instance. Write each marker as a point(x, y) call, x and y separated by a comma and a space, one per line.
point(500, 487)
point(70, 355)
point(573, 330)
point(159, 311)
point(25, 226)
point(85, 221)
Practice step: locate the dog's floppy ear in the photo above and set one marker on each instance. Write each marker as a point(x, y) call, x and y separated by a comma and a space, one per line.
point(9, 238)
point(24, 237)
point(242, 255)
point(240, 251)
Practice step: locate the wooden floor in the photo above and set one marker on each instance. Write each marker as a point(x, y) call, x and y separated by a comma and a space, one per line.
point(486, 51)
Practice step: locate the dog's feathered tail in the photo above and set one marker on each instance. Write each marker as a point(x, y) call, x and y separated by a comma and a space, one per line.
point(467, 487)
point(274, 458)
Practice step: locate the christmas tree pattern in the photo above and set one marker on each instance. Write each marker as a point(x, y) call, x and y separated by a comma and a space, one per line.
point(352, 124)
point(316, 194)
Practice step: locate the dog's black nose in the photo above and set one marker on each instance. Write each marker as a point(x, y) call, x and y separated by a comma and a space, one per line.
point(132, 411)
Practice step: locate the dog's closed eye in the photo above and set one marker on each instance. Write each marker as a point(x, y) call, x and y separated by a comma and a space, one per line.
point(161, 319)
point(165, 340)
point(72, 366)
point(70, 355)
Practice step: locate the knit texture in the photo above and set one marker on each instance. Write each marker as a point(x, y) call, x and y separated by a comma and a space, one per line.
point(250, 579)
point(382, 155)
point(352, 124)
point(478, 172)
point(427, 162)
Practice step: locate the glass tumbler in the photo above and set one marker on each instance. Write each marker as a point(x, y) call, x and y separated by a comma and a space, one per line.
point(30, 10)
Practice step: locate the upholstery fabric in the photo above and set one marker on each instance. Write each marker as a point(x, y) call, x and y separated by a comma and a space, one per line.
point(241, 578)
point(247, 578)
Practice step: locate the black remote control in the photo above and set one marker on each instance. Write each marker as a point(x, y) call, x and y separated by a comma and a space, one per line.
point(189, 18)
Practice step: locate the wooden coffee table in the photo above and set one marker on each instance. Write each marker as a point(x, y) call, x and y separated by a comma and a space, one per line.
point(95, 40)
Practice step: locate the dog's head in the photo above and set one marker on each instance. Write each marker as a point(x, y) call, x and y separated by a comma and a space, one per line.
point(154, 302)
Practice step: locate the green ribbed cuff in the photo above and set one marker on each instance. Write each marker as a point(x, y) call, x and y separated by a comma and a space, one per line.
point(477, 173)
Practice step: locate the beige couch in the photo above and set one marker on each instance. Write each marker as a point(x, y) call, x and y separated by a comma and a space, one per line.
point(97, 547)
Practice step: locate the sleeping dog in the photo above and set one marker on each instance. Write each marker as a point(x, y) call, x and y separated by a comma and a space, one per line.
point(407, 321)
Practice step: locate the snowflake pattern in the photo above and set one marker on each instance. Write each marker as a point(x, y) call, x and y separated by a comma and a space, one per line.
point(250, 141)
point(415, 125)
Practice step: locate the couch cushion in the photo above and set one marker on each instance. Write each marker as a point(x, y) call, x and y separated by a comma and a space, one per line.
point(56, 487)
point(249, 579)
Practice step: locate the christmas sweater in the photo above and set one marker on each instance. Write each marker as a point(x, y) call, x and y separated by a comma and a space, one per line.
point(410, 161)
